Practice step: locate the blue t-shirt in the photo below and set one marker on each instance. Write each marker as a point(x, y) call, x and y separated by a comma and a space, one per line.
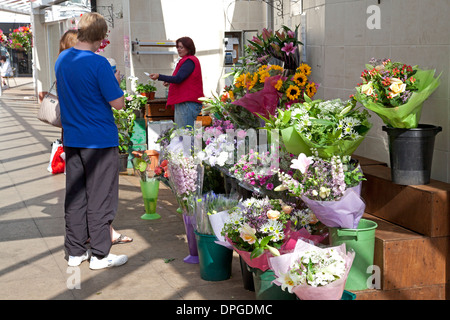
point(86, 83)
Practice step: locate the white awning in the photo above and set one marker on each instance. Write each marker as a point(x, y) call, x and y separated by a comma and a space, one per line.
point(24, 6)
point(16, 6)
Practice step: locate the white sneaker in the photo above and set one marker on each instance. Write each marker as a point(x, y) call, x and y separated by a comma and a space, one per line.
point(75, 261)
point(111, 260)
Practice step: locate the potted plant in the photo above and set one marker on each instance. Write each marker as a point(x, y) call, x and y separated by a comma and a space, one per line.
point(150, 173)
point(124, 119)
point(148, 90)
point(396, 93)
point(136, 103)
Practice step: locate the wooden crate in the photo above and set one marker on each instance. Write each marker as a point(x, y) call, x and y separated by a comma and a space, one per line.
point(421, 208)
point(412, 266)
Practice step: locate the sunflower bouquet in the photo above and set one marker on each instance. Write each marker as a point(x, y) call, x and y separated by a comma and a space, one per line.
point(262, 91)
point(296, 86)
point(396, 91)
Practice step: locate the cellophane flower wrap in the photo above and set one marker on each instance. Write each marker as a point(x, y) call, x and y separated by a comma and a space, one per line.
point(313, 273)
point(207, 207)
point(330, 188)
point(396, 91)
point(332, 127)
point(257, 229)
point(185, 179)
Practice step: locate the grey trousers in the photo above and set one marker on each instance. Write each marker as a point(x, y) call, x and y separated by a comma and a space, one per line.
point(92, 195)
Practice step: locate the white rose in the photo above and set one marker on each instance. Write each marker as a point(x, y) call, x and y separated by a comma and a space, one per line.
point(273, 214)
point(367, 88)
point(397, 86)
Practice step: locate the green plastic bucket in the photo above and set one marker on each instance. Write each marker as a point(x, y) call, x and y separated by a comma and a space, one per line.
point(214, 259)
point(362, 241)
point(266, 290)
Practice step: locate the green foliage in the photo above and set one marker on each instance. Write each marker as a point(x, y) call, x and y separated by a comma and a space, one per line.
point(125, 120)
point(141, 88)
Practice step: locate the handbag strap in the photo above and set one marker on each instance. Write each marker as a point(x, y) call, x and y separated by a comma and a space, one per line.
point(51, 88)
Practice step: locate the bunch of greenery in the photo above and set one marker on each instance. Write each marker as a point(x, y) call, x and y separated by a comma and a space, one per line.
point(125, 120)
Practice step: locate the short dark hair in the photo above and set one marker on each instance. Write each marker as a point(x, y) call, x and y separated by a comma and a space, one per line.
point(188, 44)
point(2, 58)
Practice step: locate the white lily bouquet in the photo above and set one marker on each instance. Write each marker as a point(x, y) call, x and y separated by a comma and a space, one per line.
point(313, 273)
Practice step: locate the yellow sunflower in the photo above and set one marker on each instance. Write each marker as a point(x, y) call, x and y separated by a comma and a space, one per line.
point(293, 92)
point(305, 69)
point(279, 84)
point(311, 89)
point(276, 68)
point(263, 76)
point(251, 81)
point(240, 80)
point(300, 79)
point(263, 68)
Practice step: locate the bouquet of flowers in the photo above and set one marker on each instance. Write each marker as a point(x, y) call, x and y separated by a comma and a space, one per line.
point(20, 38)
point(147, 170)
point(313, 273)
point(330, 188)
point(135, 102)
point(396, 91)
point(305, 225)
point(255, 169)
point(220, 143)
point(3, 37)
point(333, 127)
point(257, 227)
point(211, 205)
point(185, 179)
point(281, 45)
point(262, 91)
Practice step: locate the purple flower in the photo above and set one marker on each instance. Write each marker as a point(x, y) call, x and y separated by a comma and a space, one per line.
point(288, 48)
point(269, 186)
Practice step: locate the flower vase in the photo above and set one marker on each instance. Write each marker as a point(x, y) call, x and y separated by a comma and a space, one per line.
point(150, 191)
point(192, 242)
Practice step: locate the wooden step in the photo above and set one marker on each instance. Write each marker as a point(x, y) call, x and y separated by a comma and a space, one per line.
point(421, 208)
point(411, 266)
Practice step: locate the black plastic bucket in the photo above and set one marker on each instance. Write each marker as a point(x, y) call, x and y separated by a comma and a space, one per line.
point(411, 153)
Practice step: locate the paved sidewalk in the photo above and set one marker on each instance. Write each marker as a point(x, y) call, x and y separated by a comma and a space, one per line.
point(32, 259)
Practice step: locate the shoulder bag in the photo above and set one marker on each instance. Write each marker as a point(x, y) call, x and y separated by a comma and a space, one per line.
point(49, 109)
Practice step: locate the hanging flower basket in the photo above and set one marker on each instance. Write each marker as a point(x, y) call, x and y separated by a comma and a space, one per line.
point(20, 38)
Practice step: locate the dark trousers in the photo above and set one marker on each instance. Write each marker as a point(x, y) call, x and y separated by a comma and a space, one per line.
point(92, 195)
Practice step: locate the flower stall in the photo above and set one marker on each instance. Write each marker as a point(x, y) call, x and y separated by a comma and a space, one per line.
point(288, 160)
